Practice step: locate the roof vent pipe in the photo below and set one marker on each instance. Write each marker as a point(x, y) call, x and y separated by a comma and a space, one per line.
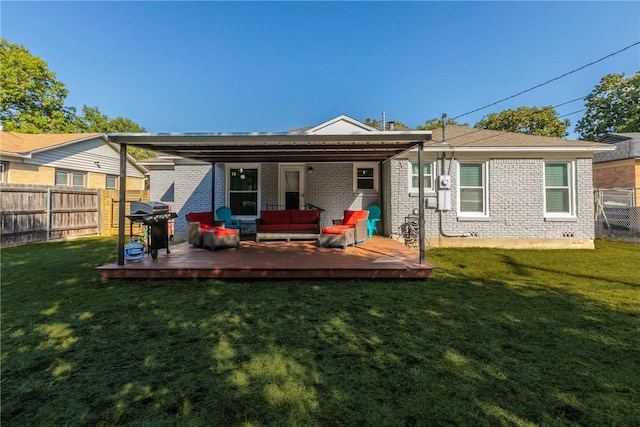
point(384, 121)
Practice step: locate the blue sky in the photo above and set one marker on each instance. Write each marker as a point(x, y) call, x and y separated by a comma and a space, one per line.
point(274, 66)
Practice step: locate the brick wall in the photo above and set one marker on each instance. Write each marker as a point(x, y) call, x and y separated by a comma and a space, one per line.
point(186, 188)
point(516, 204)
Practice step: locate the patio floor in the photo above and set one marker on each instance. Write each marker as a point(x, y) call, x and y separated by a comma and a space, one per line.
point(376, 258)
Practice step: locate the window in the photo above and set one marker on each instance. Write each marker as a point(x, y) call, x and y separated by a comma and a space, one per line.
point(472, 197)
point(558, 189)
point(112, 182)
point(365, 178)
point(3, 171)
point(69, 178)
point(414, 177)
point(243, 191)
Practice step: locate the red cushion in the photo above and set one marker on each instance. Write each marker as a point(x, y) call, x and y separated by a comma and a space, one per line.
point(219, 231)
point(205, 218)
point(350, 217)
point(274, 217)
point(332, 230)
point(204, 227)
point(273, 227)
point(342, 226)
point(304, 217)
point(312, 227)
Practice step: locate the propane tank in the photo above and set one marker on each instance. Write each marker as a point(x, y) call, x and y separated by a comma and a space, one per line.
point(134, 250)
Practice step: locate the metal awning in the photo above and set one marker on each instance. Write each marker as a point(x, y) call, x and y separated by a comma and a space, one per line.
point(277, 147)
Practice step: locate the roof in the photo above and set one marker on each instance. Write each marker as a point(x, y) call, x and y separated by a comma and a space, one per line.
point(462, 138)
point(341, 139)
point(627, 147)
point(14, 142)
point(24, 145)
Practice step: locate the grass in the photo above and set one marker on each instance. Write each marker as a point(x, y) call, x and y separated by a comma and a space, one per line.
point(513, 338)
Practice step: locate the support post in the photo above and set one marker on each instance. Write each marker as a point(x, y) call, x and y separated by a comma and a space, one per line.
point(421, 199)
point(123, 201)
point(213, 190)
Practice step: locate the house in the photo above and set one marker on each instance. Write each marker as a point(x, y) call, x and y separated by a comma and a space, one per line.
point(82, 160)
point(481, 187)
point(616, 176)
point(619, 169)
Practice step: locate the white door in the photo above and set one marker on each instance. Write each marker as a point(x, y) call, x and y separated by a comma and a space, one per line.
point(291, 194)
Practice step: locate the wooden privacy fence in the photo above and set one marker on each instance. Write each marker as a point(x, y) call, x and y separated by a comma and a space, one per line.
point(36, 213)
point(31, 213)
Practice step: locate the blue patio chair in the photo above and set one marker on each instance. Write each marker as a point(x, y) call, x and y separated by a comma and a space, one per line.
point(373, 219)
point(224, 214)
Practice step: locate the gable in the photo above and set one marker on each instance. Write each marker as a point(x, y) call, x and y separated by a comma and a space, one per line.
point(341, 125)
point(15, 142)
point(89, 152)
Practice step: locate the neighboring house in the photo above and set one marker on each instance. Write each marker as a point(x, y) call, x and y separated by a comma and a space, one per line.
point(483, 188)
point(619, 169)
point(84, 160)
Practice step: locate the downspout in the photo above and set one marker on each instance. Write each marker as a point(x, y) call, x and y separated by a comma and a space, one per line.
point(123, 201)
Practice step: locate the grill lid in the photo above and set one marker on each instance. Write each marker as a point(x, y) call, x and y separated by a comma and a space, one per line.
point(148, 208)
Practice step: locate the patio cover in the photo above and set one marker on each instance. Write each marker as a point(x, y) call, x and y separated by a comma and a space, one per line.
point(274, 147)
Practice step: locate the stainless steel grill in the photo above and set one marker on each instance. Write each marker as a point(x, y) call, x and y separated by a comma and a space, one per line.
point(156, 216)
point(148, 208)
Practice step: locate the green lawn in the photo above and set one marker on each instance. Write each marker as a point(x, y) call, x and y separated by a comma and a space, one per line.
point(499, 337)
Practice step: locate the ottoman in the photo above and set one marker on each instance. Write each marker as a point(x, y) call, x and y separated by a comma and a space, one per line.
point(336, 236)
point(219, 237)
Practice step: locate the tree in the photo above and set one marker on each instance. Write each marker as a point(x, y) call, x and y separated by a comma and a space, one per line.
point(31, 99)
point(375, 123)
point(542, 121)
point(436, 123)
point(612, 106)
point(92, 120)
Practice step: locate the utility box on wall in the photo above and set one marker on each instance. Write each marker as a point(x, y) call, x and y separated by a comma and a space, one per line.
point(444, 200)
point(444, 182)
point(444, 192)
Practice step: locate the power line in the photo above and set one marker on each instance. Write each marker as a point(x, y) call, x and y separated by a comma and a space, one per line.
point(549, 81)
point(569, 102)
point(570, 114)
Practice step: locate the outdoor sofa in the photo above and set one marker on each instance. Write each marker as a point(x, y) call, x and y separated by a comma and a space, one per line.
point(288, 224)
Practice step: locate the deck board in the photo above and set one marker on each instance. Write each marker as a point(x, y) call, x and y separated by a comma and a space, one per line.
point(376, 258)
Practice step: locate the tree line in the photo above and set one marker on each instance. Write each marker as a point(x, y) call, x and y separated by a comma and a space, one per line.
point(32, 100)
point(612, 106)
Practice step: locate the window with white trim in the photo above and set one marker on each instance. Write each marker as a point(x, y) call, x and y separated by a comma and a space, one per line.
point(558, 189)
point(243, 190)
point(365, 177)
point(111, 182)
point(3, 171)
point(414, 177)
point(69, 178)
point(472, 189)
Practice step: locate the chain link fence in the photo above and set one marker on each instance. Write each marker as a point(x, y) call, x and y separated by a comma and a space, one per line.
point(617, 215)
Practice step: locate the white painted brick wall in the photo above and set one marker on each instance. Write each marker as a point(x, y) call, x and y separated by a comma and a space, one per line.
point(516, 203)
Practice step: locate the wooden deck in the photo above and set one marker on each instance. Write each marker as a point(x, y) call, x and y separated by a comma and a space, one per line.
point(376, 258)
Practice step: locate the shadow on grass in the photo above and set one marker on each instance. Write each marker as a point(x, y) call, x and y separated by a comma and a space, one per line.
point(456, 350)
